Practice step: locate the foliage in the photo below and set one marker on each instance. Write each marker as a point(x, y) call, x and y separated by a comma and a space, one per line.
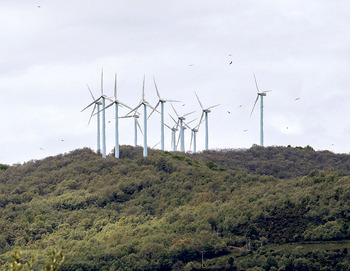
point(3, 167)
point(236, 208)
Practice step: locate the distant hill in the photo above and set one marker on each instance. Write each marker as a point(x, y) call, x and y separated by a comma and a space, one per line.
point(274, 208)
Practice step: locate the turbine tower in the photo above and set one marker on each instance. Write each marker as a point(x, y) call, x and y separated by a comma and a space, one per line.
point(117, 104)
point(161, 102)
point(145, 105)
point(205, 112)
point(182, 128)
point(261, 95)
point(96, 104)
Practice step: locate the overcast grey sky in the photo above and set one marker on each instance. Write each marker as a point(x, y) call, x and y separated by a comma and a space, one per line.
point(295, 48)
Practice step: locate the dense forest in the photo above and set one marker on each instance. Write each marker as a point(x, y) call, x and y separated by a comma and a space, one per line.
point(274, 208)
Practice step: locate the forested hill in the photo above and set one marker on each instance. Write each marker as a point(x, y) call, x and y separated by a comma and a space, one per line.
point(280, 162)
point(270, 208)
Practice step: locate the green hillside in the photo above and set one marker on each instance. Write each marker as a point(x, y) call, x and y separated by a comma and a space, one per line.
point(275, 208)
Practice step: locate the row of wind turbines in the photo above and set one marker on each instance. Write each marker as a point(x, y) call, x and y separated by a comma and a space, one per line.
point(133, 113)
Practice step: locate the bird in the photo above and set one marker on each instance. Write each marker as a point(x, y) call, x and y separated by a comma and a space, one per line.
point(240, 105)
point(229, 112)
point(41, 149)
point(230, 55)
point(297, 99)
point(183, 104)
point(191, 65)
point(230, 63)
point(287, 128)
point(62, 140)
point(245, 130)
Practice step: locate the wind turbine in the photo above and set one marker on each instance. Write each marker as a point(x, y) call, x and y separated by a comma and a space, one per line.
point(205, 112)
point(194, 131)
point(173, 132)
point(261, 95)
point(161, 102)
point(145, 105)
point(117, 104)
point(136, 116)
point(96, 104)
point(182, 128)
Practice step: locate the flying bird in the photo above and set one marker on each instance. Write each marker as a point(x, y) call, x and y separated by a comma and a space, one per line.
point(230, 55)
point(191, 65)
point(229, 112)
point(245, 130)
point(41, 149)
point(230, 63)
point(297, 99)
point(240, 105)
point(62, 140)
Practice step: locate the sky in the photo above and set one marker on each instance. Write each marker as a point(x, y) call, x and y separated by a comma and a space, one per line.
point(50, 50)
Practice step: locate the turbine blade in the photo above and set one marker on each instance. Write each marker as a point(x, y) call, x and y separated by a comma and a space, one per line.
point(188, 113)
point(173, 119)
point(167, 126)
point(124, 117)
point(102, 82)
point(94, 102)
point(191, 139)
point(257, 98)
point(213, 106)
point(115, 86)
point(199, 101)
point(154, 80)
point(178, 140)
point(156, 145)
point(191, 122)
point(143, 88)
point(135, 109)
point(92, 113)
point(172, 101)
point(201, 119)
point(123, 104)
point(256, 83)
point(90, 92)
point(104, 108)
point(174, 110)
point(138, 125)
point(154, 109)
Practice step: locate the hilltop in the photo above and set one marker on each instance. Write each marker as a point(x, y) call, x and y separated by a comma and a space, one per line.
point(274, 208)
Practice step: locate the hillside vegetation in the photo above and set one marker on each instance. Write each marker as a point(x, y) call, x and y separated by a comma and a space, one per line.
point(275, 208)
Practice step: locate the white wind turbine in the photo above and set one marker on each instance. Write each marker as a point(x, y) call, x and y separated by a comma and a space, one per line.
point(182, 128)
point(161, 102)
point(145, 105)
point(261, 95)
point(173, 132)
point(103, 98)
point(135, 116)
point(205, 112)
point(96, 104)
point(117, 104)
point(194, 131)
